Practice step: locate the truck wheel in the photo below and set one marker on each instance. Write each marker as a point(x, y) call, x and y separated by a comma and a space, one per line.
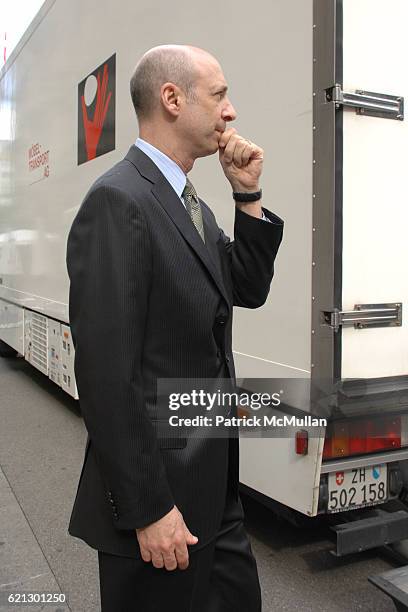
point(6, 350)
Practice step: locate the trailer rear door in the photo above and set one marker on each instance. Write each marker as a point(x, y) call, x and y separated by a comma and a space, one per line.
point(375, 187)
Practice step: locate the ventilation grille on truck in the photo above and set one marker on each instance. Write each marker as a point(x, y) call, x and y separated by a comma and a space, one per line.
point(39, 342)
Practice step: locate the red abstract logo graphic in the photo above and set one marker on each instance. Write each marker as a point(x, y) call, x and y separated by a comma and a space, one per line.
point(93, 127)
point(97, 111)
point(339, 478)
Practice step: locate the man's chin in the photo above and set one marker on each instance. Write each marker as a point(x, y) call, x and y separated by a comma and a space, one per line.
point(215, 144)
point(209, 150)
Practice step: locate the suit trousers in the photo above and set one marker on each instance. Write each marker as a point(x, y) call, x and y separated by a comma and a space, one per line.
point(221, 577)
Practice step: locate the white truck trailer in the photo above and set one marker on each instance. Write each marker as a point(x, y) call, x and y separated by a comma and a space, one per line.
point(320, 85)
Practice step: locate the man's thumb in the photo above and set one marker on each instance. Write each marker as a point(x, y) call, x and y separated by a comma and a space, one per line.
point(190, 538)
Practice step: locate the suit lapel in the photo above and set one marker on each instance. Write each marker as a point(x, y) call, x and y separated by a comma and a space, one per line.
point(168, 199)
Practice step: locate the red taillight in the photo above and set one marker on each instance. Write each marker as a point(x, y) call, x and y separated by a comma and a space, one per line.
point(362, 436)
point(302, 442)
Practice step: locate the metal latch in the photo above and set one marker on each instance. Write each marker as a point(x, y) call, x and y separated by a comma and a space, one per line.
point(368, 102)
point(365, 315)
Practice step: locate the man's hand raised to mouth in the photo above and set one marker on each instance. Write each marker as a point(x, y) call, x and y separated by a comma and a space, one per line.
point(165, 541)
point(241, 161)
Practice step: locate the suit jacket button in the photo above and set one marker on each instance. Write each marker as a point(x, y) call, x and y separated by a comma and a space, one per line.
point(227, 359)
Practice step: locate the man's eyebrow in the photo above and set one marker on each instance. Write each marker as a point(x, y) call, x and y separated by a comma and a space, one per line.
point(221, 88)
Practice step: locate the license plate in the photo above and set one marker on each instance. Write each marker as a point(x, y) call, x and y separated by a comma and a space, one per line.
point(358, 487)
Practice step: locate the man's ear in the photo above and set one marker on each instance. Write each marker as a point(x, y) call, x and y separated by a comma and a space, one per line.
point(170, 96)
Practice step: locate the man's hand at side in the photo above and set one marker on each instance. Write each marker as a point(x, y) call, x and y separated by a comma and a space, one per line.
point(165, 541)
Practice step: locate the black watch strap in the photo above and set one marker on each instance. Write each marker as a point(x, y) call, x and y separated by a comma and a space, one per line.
point(247, 197)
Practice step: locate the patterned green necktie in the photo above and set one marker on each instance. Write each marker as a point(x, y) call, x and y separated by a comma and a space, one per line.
point(193, 207)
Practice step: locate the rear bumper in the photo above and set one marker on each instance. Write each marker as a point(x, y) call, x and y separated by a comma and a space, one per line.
point(379, 529)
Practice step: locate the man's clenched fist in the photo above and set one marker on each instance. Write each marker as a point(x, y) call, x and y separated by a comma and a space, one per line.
point(241, 161)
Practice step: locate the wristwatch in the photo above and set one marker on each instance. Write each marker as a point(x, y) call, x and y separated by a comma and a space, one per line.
point(247, 197)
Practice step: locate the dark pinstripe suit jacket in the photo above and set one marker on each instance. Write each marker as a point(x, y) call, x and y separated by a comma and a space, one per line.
point(149, 300)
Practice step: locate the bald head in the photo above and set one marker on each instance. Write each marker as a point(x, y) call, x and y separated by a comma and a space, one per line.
point(177, 64)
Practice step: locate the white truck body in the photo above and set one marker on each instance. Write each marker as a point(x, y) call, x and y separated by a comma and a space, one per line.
point(336, 177)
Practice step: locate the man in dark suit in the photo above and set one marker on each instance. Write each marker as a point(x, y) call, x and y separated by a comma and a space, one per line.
point(153, 284)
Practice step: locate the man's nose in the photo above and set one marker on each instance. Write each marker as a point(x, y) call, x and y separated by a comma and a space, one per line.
point(229, 113)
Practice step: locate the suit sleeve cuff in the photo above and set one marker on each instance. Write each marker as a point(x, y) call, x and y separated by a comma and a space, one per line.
point(270, 216)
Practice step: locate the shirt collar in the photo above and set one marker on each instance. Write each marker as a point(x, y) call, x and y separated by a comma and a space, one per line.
point(167, 166)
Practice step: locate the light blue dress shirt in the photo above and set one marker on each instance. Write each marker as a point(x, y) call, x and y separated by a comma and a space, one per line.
point(169, 168)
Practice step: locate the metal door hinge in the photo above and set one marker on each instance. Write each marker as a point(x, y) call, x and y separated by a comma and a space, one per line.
point(365, 315)
point(368, 102)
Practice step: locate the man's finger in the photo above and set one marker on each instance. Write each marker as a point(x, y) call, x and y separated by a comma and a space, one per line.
point(157, 560)
point(146, 555)
point(229, 149)
point(225, 137)
point(182, 556)
point(190, 538)
point(170, 561)
point(246, 154)
point(238, 152)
